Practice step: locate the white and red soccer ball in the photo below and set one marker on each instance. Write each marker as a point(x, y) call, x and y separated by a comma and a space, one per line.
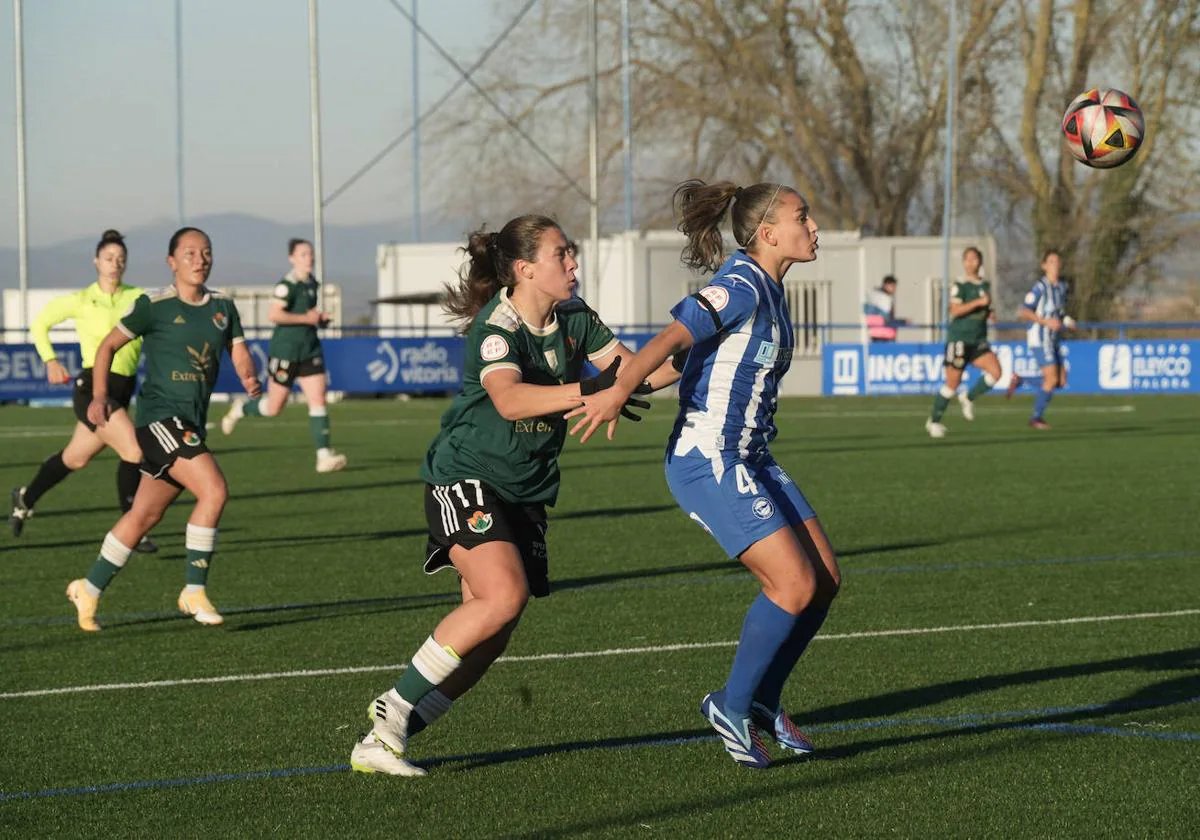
point(1103, 128)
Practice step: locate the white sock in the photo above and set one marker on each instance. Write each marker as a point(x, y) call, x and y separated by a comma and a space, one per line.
point(194, 587)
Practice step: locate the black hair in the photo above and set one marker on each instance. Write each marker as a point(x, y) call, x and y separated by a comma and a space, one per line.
point(972, 248)
point(490, 258)
point(111, 237)
point(1047, 253)
point(293, 244)
point(890, 278)
point(177, 235)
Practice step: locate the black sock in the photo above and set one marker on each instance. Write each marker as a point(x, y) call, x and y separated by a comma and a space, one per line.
point(129, 475)
point(52, 471)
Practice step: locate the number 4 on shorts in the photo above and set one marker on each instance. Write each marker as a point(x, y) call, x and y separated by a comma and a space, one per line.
point(745, 484)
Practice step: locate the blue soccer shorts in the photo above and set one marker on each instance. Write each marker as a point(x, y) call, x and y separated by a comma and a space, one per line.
point(1046, 354)
point(739, 502)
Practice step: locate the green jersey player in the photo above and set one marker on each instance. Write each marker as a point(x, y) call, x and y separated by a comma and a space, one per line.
point(966, 343)
point(295, 356)
point(184, 330)
point(493, 468)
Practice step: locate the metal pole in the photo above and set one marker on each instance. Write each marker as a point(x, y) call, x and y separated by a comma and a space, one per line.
point(179, 111)
point(593, 269)
point(948, 187)
point(22, 220)
point(314, 108)
point(627, 104)
point(416, 109)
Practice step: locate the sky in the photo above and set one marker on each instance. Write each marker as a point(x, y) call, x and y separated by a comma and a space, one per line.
point(100, 108)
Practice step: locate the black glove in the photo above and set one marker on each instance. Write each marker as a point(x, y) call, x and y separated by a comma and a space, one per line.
point(605, 379)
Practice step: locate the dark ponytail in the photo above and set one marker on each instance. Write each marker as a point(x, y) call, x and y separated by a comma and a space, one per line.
point(111, 237)
point(177, 235)
point(701, 208)
point(489, 266)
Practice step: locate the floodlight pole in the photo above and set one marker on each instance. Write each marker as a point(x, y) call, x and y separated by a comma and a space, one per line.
point(948, 187)
point(314, 109)
point(179, 111)
point(593, 269)
point(416, 109)
point(627, 106)
point(22, 219)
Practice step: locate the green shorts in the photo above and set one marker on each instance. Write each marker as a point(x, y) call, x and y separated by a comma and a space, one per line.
point(959, 354)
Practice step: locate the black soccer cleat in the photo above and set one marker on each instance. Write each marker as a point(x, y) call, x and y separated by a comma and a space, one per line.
point(146, 546)
point(20, 511)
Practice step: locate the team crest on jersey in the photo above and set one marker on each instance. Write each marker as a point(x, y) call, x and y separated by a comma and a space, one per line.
point(717, 296)
point(570, 346)
point(480, 522)
point(763, 508)
point(191, 438)
point(493, 347)
point(220, 321)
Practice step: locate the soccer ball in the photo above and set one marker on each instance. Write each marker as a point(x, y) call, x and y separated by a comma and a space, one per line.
point(1104, 128)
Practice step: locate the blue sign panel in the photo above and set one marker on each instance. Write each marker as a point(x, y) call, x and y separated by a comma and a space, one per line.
point(1093, 367)
point(23, 373)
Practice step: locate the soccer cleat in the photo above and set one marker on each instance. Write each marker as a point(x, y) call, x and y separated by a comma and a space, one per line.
point(20, 511)
point(390, 722)
point(740, 736)
point(85, 605)
point(968, 407)
point(146, 546)
point(197, 605)
point(371, 756)
point(786, 733)
point(230, 420)
point(1039, 423)
point(332, 462)
point(1013, 384)
point(936, 430)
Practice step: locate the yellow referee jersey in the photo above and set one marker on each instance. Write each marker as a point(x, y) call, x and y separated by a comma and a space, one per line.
point(95, 314)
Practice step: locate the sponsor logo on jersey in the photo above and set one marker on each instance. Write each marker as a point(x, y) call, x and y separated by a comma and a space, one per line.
point(763, 508)
point(480, 522)
point(191, 438)
point(493, 347)
point(200, 362)
point(220, 321)
point(552, 358)
point(717, 296)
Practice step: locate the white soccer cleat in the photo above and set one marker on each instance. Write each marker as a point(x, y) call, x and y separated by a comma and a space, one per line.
point(968, 407)
point(85, 605)
point(936, 430)
point(370, 756)
point(230, 420)
point(390, 719)
point(197, 605)
point(332, 462)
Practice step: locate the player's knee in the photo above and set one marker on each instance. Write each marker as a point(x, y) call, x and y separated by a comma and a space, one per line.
point(75, 460)
point(793, 593)
point(269, 409)
point(214, 495)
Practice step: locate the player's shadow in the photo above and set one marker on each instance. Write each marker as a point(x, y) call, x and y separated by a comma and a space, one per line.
point(953, 730)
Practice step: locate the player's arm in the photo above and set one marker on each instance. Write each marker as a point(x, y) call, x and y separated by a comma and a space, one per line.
point(1028, 311)
point(515, 399)
point(278, 313)
point(243, 363)
point(99, 408)
point(606, 405)
point(664, 376)
point(55, 312)
point(958, 308)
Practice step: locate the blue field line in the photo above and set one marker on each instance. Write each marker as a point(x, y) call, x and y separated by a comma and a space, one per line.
point(735, 574)
point(952, 722)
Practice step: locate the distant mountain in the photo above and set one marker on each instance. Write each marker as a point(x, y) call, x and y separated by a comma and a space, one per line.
point(249, 250)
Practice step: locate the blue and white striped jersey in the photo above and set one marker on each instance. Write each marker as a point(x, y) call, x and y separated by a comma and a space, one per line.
point(1046, 300)
point(730, 385)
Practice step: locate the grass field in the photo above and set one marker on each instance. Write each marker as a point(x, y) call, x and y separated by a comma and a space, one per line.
point(1015, 652)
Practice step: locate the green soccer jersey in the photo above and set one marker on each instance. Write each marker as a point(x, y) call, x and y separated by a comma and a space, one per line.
point(182, 344)
point(517, 458)
point(972, 327)
point(295, 342)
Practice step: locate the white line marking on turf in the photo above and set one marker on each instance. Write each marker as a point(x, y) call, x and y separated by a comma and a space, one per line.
point(591, 654)
point(65, 431)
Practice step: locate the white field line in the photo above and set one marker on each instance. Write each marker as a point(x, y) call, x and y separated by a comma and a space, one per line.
point(590, 654)
point(65, 431)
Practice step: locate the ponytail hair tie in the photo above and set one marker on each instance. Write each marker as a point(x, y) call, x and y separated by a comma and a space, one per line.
point(737, 193)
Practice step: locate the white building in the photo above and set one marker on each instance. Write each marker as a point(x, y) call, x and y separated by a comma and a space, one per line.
point(641, 278)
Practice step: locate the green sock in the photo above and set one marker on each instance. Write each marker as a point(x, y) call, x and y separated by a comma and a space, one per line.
point(111, 560)
point(981, 387)
point(939, 407)
point(201, 543)
point(429, 668)
point(250, 408)
point(318, 424)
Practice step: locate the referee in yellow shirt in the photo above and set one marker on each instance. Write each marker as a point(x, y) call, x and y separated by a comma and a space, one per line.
point(95, 310)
